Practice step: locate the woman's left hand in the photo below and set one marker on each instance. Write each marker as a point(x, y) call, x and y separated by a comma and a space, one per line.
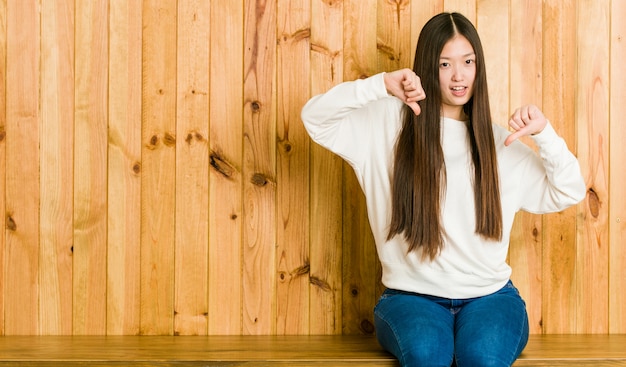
point(526, 120)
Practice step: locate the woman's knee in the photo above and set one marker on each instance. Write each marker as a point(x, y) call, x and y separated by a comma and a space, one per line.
point(491, 331)
point(417, 331)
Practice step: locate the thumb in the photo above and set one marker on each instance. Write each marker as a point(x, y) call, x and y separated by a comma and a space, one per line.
point(415, 107)
point(514, 136)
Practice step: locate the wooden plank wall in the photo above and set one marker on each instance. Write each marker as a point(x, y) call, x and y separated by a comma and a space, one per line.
point(155, 177)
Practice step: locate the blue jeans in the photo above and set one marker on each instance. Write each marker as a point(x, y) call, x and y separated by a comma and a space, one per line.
point(423, 330)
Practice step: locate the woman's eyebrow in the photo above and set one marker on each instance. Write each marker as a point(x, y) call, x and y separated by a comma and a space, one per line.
point(450, 57)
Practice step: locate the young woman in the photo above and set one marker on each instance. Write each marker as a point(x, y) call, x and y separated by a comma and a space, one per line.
point(442, 185)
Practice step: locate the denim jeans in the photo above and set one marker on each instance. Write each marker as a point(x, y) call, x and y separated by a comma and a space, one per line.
point(423, 330)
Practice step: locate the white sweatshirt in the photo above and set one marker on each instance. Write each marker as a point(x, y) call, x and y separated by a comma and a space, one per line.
point(360, 122)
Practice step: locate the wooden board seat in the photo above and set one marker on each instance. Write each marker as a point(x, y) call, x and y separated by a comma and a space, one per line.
point(327, 351)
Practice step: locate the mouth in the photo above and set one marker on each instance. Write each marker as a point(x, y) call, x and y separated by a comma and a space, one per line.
point(459, 91)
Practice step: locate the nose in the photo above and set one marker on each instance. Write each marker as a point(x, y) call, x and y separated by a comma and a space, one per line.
point(457, 76)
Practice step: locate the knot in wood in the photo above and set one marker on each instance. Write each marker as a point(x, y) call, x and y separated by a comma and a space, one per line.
point(259, 179)
point(10, 223)
point(320, 283)
point(193, 135)
point(256, 106)
point(287, 147)
point(154, 141)
point(367, 327)
point(169, 140)
point(222, 167)
point(594, 203)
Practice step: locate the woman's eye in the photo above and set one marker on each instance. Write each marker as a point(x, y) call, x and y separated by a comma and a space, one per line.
point(469, 61)
point(444, 64)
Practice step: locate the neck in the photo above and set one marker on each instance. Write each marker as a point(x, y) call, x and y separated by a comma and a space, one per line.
point(456, 115)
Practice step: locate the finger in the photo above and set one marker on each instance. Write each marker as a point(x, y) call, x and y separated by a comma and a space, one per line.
point(415, 107)
point(533, 112)
point(516, 124)
point(516, 135)
point(516, 117)
point(408, 85)
point(511, 138)
point(414, 96)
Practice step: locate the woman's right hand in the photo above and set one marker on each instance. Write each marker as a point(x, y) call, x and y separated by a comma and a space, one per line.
point(405, 85)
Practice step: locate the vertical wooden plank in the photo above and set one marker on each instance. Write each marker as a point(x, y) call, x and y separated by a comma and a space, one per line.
point(259, 168)
point(592, 116)
point(325, 236)
point(192, 175)
point(526, 82)
point(225, 201)
point(359, 41)
point(559, 247)
point(158, 167)
point(393, 23)
point(361, 268)
point(492, 19)
point(90, 168)
point(22, 168)
point(57, 110)
point(617, 205)
point(124, 168)
point(293, 261)
point(3, 156)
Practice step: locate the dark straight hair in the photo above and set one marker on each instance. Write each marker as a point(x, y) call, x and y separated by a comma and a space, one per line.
point(419, 173)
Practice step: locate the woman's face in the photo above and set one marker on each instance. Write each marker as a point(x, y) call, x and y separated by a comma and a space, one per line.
point(457, 71)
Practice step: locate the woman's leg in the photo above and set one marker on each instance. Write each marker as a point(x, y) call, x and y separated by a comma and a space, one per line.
point(491, 330)
point(418, 331)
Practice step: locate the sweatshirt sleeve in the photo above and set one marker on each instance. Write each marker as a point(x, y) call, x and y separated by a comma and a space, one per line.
point(341, 119)
point(552, 180)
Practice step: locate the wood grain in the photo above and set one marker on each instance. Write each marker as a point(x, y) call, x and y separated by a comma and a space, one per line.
point(158, 155)
point(192, 169)
point(326, 177)
point(259, 168)
point(124, 169)
point(559, 246)
point(90, 169)
point(3, 156)
point(617, 203)
point(292, 226)
point(492, 19)
point(542, 350)
point(225, 179)
point(361, 268)
point(393, 21)
point(23, 120)
point(56, 214)
point(592, 116)
point(525, 88)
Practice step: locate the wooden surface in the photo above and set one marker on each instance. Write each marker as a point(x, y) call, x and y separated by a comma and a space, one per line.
point(552, 350)
point(617, 217)
point(225, 178)
point(155, 177)
point(559, 246)
point(158, 167)
point(124, 167)
point(326, 181)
